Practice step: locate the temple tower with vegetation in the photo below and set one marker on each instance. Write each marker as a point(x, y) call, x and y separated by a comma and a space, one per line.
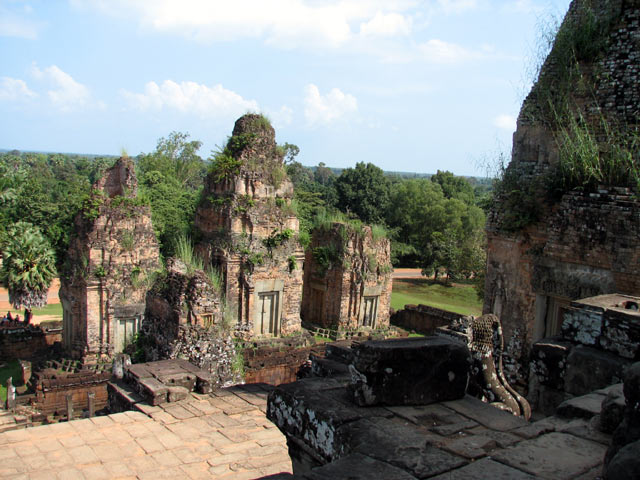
point(347, 277)
point(111, 258)
point(247, 226)
point(566, 220)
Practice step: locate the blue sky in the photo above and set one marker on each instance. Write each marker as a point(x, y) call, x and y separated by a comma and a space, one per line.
point(408, 85)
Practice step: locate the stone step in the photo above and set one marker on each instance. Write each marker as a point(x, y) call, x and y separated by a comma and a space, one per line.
point(585, 406)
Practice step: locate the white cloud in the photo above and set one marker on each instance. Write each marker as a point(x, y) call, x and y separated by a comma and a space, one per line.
point(388, 25)
point(457, 6)
point(285, 23)
point(13, 23)
point(505, 122)
point(325, 109)
point(14, 89)
point(190, 97)
point(65, 93)
point(438, 51)
point(282, 117)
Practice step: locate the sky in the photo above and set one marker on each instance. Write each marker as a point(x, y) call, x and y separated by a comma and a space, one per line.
point(408, 85)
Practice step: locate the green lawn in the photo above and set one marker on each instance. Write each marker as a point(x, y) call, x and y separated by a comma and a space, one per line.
point(52, 309)
point(459, 298)
point(10, 369)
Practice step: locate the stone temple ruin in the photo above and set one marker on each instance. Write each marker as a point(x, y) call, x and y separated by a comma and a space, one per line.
point(249, 230)
point(111, 255)
point(347, 278)
point(544, 253)
point(564, 282)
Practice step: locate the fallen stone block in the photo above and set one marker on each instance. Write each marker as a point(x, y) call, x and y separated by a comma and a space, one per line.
point(177, 393)
point(589, 369)
point(581, 407)
point(414, 371)
point(154, 391)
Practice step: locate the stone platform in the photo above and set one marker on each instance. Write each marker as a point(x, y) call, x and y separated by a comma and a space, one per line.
point(330, 437)
point(220, 435)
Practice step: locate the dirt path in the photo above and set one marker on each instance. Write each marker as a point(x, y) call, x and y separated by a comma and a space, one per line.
point(52, 298)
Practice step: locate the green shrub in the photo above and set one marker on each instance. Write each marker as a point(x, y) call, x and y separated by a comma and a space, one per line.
point(224, 166)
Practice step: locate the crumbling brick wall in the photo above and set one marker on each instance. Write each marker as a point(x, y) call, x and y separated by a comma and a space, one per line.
point(111, 255)
point(348, 278)
point(248, 228)
point(577, 243)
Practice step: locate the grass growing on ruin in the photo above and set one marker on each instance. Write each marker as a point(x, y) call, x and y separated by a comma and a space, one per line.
point(10, 369)
point(457, 298)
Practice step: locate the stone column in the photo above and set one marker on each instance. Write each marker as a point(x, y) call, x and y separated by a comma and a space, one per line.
point(69, 399)
point(91, 397)
point(11, 395)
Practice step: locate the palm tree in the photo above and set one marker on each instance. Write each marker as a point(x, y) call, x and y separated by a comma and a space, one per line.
point(28, 267)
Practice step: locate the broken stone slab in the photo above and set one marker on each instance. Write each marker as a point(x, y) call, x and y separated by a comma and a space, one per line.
point(502, 439)
point(413, 371)
point(177, 393)
point(339, 352)
point(548, 361)
point(485, 414)
point(626, 464)
point(358, 467)
point(323, 367)
point(181, 379)
point(589, 369)
point(612, 411)
point(448, 430)
point(546, 425)
point(554, 456)
point(427, 415)
point(483, 469)
point(304, 410)
point(135, 373)
point(396, 442)
point(587, 429)
point(154, 391)
point(472, 446)
point(585, 406)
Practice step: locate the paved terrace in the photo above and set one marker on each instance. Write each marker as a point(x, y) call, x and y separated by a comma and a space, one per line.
point(221, 435)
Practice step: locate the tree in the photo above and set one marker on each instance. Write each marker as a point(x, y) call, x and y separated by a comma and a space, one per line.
point(291, 151)
point(176, 157)
point(363, 190)
point(28, 267)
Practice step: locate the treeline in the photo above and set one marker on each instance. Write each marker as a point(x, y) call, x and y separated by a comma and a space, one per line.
point(435, 223)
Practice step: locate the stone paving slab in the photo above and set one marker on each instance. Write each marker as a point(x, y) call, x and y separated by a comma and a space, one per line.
point(554, 456)
point(190, 439)
point(484, 469)
point(485, 414)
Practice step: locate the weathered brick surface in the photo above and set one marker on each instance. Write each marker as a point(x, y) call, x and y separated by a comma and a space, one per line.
point(241, 219)
point(584, 243)
point(112, 251)
point(344, 267)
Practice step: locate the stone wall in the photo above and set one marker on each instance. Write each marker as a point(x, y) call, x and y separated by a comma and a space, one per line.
point(279, 363)
point(600, 337)
point(184, 318)
point(423, 318)
point(249, 229)
point(347, 278)
point(26, 342)
point(51, 392)
point(549, 247)
point(111, 255)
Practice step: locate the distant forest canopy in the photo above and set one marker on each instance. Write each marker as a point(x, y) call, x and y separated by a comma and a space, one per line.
point(435, 221)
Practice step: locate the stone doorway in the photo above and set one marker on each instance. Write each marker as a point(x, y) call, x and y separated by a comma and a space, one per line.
point(268, 309)
point(370, 305)
point(126, 329)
